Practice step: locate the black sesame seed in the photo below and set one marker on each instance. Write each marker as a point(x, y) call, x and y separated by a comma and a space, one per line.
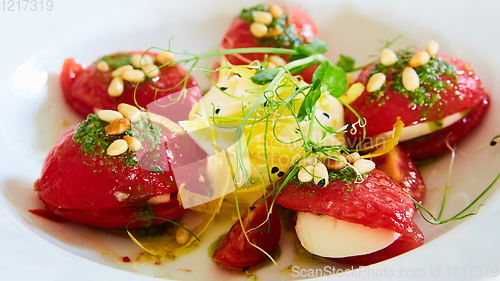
point(245, 268)
point(349, 127)
point(265, 103)
point(296, 88)
point(251, 208)
point(326, 114)
point(217, 111)
point(297, 130)
point(274, 170)
point(281, 173)
point(321, 183)
point(493, 143)
point(314, 149)
point(238, 74)
point(223, 88)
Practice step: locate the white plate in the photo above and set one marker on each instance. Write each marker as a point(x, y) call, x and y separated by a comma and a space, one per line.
point(35, 43)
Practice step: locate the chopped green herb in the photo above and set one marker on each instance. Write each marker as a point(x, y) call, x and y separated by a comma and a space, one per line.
point(116, 60)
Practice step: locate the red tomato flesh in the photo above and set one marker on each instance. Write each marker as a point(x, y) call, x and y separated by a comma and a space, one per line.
point(81, 187)
point(235, 251)
point(239, 36)
point(377, 202)
point(397, 164)
point(86, 89)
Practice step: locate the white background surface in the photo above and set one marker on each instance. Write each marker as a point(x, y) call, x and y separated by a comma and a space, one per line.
point(88, 29)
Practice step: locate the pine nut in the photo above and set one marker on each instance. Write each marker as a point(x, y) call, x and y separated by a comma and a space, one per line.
point(320, 175)
point(139, 61)
point(164, 198)
point(432, 48)
point(305, 174)
point(182, 235)
point(115, 89)
point(334, 164)
point(165, 57)
point(109, 115)
point(277, 60)
point(119, 71)
point(262, 17)
point(276, 11)
point(375, 82)
point(130, 112)
point(364, 166)
point(117, 127)
point(274, 31)
point(133, 143)
point(353, 157)
point(133, 76)
point(419, 59)
point(410, 79)
point(258, 29)
point(151, 70)
point(387, 57)
point(120, 196)
point(102, 66)
point(117, 147)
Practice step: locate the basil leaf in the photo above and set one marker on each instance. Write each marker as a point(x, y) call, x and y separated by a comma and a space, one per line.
point(346, 63)
point(264, 76)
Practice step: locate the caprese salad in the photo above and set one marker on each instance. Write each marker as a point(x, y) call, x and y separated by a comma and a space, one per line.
point(339, 157)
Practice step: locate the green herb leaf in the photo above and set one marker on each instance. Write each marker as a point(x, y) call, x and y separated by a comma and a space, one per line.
point(316, 47)
point(346, 63)
point(326, 77)
point(308, 103)
point(264, 76)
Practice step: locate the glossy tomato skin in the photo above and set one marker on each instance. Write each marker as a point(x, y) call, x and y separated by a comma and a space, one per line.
point(402, 245)
point(465, 93)
point(377, 202)
point(398, 165)
point(238, 35)
point(235, 251)
point(86, 90)
point(81, 187)
point(435, 143)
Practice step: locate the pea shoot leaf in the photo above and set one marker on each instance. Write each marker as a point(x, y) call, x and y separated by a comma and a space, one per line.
point(304, 51)
point(264, 76)
point(327, 77)
point(346, 63)
point(316, 47)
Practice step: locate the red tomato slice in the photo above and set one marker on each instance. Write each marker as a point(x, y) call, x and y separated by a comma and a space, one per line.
point(86, 90)
point(464, 94)
point(402, 245)
point(397, 164)
point(234, 250)
point(377, 202)
point(83, 187)
point(239, 36)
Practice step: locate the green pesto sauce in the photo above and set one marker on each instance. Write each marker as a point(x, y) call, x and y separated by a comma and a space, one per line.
point(94, 140)
point(346, 175)
point(116, 60)
point(428, 93)
point(288, 39)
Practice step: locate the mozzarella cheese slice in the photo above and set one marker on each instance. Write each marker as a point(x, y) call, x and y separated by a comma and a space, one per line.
point(425, 128)
point(327, 236)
